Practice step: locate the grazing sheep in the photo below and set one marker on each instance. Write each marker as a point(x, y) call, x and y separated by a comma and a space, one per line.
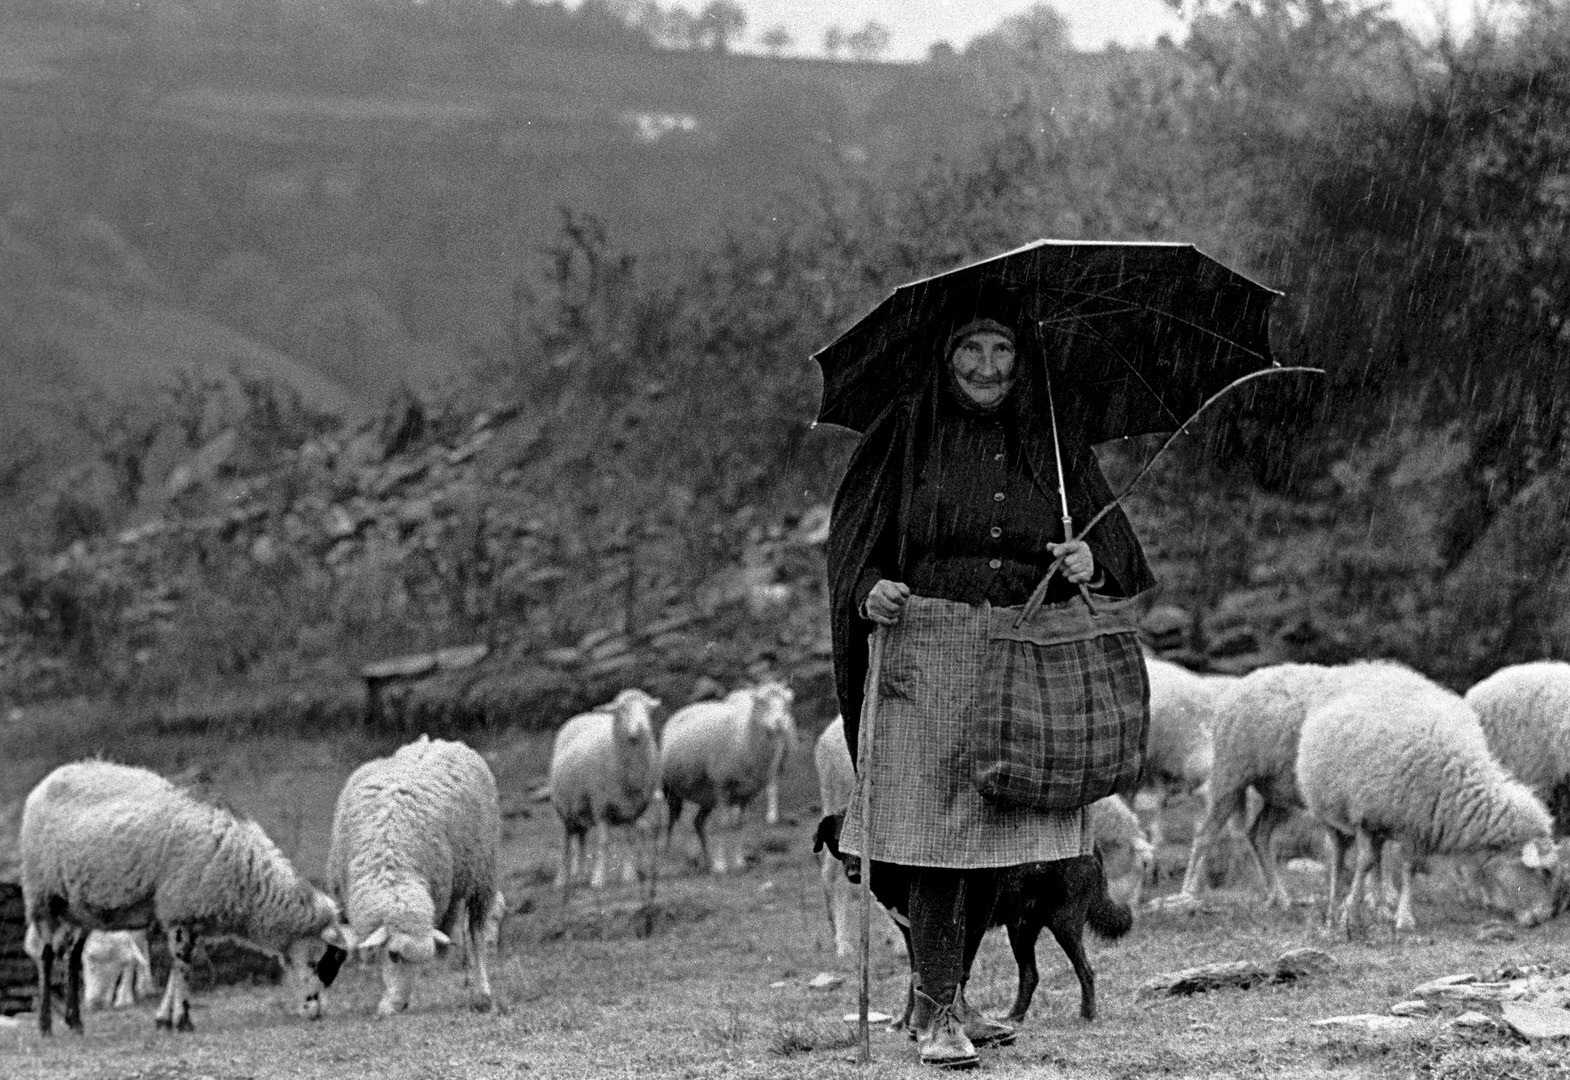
point(1126, 853)
point(116, 969)
point(1255, 736)
point(413, 861)
point(836, 780)
point(1062, 896)
point(1525, 712)
point(605, 771)
point(721, 753)
point(1178, 752)
point(1392, 758)
point(111, 847)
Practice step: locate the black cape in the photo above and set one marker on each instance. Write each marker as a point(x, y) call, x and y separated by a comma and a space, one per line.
point(876, 488)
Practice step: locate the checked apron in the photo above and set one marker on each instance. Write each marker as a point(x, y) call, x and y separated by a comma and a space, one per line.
point(926, 808)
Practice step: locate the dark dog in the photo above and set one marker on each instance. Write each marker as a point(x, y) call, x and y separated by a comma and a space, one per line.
point(1062, 896)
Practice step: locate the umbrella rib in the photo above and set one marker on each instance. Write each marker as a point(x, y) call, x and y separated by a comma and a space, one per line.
point(1075, 316)
point(1131, 367)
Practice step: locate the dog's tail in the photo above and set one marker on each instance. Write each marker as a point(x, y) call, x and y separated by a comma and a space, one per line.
point(1109, 919)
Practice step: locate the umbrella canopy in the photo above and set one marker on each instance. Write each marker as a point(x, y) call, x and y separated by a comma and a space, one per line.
point(1145, 332)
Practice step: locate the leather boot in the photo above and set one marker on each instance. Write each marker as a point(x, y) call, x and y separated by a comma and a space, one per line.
point(940, 1036)
point(980, 1029)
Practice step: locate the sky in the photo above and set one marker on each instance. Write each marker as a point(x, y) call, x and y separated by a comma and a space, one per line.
point(915, 25)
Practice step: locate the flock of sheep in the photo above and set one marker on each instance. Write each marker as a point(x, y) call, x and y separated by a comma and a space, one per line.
point(1375, 752)
point(108, 850)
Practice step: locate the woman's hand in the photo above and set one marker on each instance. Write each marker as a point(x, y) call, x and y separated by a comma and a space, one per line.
point(885, 602)
point(1079, 566)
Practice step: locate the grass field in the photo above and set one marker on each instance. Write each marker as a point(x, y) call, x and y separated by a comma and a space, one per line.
point(711, 978)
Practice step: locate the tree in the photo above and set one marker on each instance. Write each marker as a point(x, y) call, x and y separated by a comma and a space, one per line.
point(1038, 34)
point(777, 39)
point(870, 42)
point(834, 41)
point(721, 22)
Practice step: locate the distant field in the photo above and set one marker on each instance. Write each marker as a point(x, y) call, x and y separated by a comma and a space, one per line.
point(689, 986)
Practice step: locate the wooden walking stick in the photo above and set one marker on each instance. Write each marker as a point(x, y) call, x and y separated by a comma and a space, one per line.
point(869, 711)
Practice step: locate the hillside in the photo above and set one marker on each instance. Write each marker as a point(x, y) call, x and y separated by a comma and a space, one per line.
point(356, 219)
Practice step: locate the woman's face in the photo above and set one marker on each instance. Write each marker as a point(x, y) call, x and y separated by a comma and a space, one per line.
point(983, 364)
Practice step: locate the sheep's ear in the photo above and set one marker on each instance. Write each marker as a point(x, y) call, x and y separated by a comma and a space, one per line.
point(441, 939)
point(339, 935)
point(1539, 855)
point(375, 940)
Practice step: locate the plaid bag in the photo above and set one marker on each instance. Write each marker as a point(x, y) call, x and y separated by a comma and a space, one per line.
point(1062, 714)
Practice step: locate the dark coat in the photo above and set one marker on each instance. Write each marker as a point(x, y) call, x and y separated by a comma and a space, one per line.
point(876, 491)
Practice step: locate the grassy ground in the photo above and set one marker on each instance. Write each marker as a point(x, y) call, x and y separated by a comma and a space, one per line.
point(711, 980)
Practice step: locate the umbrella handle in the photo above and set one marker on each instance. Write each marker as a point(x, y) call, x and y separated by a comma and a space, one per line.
point(1034, 603)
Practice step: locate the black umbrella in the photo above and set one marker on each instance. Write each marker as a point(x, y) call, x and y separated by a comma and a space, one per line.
point(1147, 331)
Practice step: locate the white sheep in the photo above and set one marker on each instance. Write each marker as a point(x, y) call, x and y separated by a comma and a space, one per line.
point(1395, 759)
point(1178, 752)
point(413, 861)
point(836, 781)
point(605, 773)
point(112, 847)
point(116, 968)
point(721, 754)
point(1525, 713)
point(1126, 851)
point(1254, 746)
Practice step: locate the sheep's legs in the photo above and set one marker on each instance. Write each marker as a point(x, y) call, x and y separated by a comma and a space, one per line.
point(1404, 919)
point(569, 864)
point(838, 899)
point(1262, 846)
point(175, 1009)
point(1222, 806)
point(602, 843)
point(673, 807)
point(73, 981)
point(771, 794)
point(1363, 852)
point(1149, 804)
point(716, 863)
point(46, 969)
point(1335, 852)
point(474, 958)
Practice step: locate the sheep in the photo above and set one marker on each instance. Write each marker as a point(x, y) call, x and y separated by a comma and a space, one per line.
point(1254, 738)
point(1396, 758)
point(836, 780)
point(116, 969)
point(413, 861)
point(1179, 749)
point(1525, 712)
point(721, 753)
point(605, 771)
point(1061, 896)
point(1126, 852)
point(114, 847)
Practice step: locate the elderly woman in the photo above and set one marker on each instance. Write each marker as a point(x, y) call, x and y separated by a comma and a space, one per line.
point(950, 504)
